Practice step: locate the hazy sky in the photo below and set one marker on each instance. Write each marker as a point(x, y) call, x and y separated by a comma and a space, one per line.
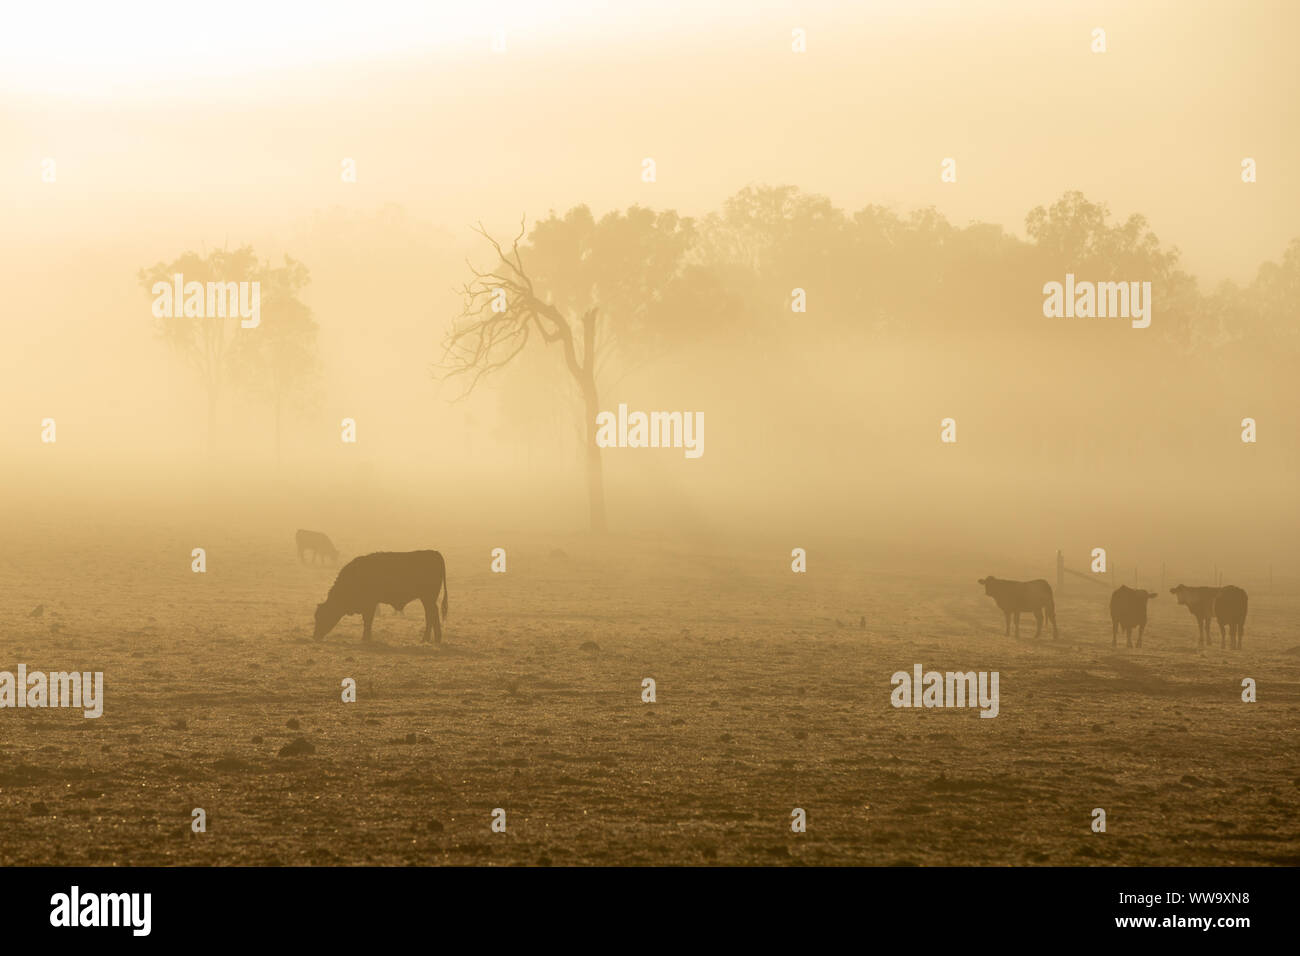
point(188, 122)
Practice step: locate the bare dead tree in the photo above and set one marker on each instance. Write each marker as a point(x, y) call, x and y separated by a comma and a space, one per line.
point(502, 309)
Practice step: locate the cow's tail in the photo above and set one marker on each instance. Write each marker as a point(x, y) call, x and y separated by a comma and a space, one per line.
point(444, 590)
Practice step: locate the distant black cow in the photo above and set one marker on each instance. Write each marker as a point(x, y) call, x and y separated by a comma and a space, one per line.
point(1013, 597)
point(1200, 601)
point(1128, 609)
point(318, 544)
point(1230, 609)
point(386, 577)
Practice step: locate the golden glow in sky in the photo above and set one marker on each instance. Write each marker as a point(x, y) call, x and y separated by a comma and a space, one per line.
point(88, 46)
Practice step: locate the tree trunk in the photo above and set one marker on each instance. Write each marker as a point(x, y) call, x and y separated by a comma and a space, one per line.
point(595, 472)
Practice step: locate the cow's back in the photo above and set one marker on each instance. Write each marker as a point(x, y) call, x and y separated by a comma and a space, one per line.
point(1023, 595)
point(1040, 591)
point(315, 540)
point(388, 577)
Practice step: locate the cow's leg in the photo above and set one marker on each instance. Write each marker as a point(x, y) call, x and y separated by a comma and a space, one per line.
point(1223, 640)
point(1141, 628)
point(431, 615)
point(1017, 625)
point(430, 611)
point(368, 618)
point(1038, 619)
point(1114, 633)
point(1007, 615)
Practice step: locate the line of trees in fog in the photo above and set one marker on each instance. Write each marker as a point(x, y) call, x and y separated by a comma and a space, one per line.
point(803, 321)
point(637, 286)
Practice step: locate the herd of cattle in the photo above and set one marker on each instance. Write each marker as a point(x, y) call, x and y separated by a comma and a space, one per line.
point(398, 578)
point(1128, 608)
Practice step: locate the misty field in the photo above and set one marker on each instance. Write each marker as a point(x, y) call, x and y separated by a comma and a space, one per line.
point(770, 696)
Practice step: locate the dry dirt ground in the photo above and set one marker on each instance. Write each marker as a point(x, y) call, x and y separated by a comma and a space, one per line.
point(770, 697)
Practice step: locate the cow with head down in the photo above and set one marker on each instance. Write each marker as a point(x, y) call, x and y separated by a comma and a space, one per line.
point(1128, 609)
point(395, 578)
point(1015, 597)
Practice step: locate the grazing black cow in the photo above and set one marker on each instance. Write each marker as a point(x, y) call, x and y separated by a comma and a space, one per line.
point(386, 577)
point(1013, 597)
point(1128, 609)
point(318, 544)
point(1230, 609)
point(1200, 601)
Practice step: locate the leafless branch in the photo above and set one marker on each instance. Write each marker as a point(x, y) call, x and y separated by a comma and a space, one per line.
point(487, 337)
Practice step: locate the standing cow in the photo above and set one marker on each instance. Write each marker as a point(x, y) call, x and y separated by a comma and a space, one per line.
point(1128, 609)
point(319, 544)
point(386, 577)
point(1200, 601)
point(1230, 609)
point(1013, 597)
